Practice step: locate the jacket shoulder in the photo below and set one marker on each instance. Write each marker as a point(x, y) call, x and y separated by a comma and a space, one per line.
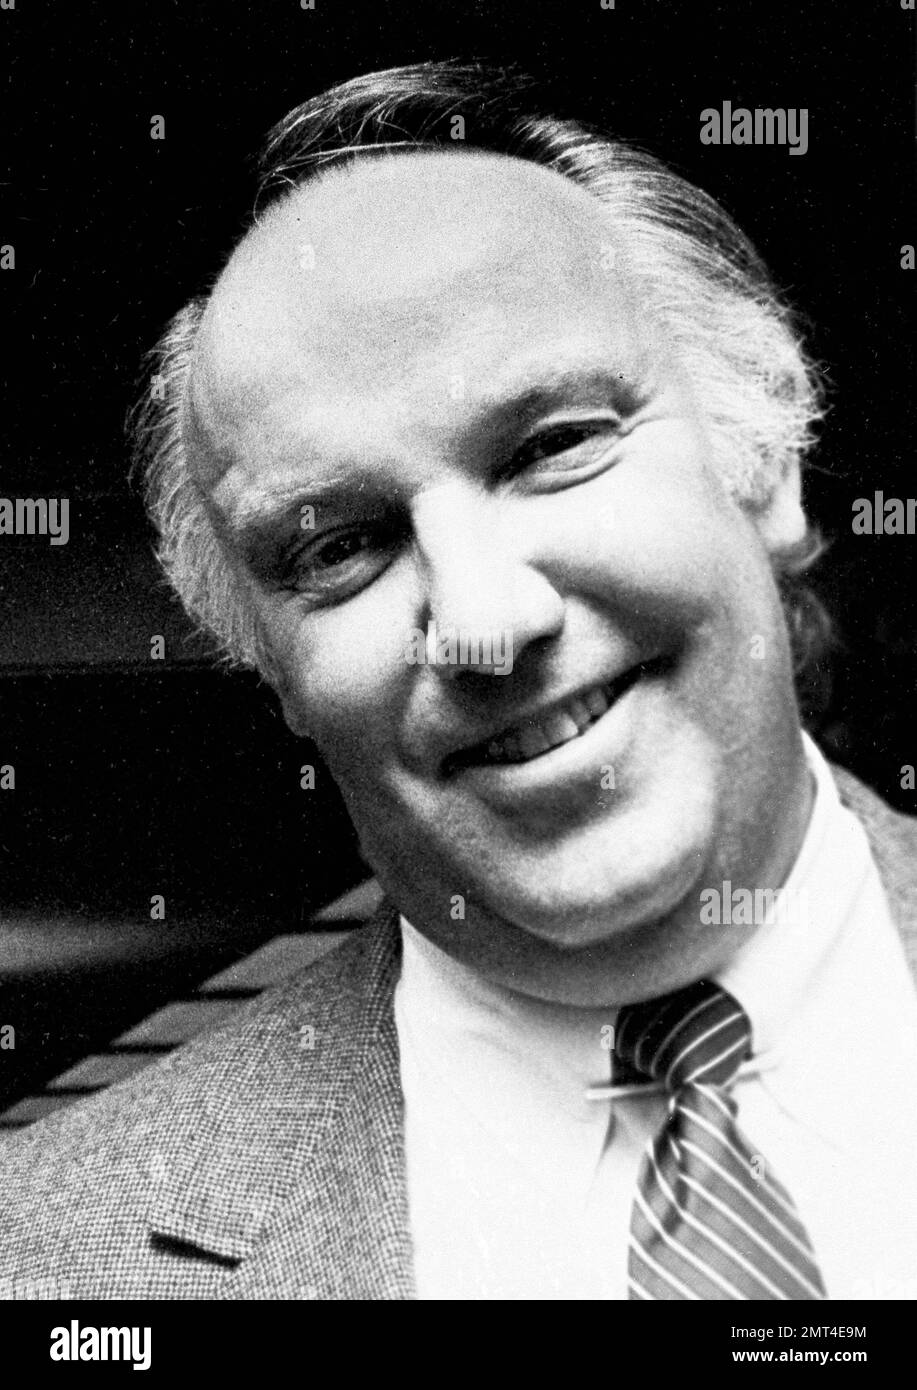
point(894, 832)
point(78, 1185)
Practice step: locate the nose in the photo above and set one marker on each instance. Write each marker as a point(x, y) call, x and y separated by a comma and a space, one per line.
point(484, 602)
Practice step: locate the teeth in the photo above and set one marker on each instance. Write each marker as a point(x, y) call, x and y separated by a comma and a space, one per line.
point(578, 711)
point(532, 741)
point(561, 726)
point(596, 701)
point(557, 727)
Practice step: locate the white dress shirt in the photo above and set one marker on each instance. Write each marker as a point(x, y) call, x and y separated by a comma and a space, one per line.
point(521, 1187)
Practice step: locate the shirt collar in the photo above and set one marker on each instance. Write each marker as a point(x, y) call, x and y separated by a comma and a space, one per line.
point(494, 1030)
point(772, 975)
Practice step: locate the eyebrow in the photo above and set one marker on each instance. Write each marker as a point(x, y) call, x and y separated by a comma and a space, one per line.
point(263, 506)
point(266, 507)
point(565, 381)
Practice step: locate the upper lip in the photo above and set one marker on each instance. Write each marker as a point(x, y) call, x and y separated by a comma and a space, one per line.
point(461, 753)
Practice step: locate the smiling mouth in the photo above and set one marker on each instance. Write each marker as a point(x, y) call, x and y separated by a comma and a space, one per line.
point(561, 723)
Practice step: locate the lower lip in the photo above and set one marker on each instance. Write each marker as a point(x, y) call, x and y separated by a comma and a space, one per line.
point(576, 765)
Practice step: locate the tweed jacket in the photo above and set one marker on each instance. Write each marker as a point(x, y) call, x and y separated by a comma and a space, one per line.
point(249, 1166)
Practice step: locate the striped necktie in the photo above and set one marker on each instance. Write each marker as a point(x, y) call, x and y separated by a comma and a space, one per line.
point(709, 1221)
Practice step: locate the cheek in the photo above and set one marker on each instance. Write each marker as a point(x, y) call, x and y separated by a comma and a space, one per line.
point(345, 670)
point(655, 537)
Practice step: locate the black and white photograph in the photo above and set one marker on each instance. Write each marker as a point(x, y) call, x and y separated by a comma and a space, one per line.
point(458, 663)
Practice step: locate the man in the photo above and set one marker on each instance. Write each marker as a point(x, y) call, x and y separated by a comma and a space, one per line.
point(485, 448)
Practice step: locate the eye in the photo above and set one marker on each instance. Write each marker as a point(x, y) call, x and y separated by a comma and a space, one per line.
point(340, 563)
point(568, 446)
point(337, 550)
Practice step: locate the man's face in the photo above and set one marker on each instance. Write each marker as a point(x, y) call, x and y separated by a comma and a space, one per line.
point(443, 357)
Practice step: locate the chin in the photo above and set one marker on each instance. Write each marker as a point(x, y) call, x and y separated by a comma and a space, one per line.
point(616, 876)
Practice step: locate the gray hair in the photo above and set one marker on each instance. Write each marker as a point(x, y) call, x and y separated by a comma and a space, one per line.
point(736, 338)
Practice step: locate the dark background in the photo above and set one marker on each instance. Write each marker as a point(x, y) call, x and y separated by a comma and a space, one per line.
point(136, 777)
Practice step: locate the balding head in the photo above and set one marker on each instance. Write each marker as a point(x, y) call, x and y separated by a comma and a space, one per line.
point(379, 271)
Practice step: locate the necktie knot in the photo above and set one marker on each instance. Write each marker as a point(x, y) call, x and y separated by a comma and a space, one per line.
point(696, 1036)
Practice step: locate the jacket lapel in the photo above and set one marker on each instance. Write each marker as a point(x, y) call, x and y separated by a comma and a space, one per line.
point(295, 1174)
point(893, 841)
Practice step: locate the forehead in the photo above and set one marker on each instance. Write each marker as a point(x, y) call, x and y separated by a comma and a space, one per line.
point(362, 294)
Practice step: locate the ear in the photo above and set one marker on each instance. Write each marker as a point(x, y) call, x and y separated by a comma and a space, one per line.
point(781, 522)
